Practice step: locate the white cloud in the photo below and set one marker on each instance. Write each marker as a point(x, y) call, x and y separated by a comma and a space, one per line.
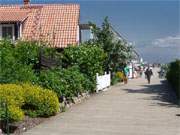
point(160, 50)
point(167, 42)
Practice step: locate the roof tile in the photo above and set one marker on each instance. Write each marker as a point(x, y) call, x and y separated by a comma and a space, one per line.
point(56, 24)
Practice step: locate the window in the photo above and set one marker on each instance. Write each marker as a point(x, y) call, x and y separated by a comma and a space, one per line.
point(7, 32)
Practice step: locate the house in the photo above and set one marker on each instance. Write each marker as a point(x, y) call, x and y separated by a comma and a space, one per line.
point(57, 24)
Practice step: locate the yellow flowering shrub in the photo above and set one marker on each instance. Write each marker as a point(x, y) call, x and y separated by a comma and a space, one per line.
point(15, 113)
point(12, 94)
point(27, 99)
point(120, 75)
point(44, 102)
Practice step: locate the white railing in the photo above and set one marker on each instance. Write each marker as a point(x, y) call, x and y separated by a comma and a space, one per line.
point(103, 81)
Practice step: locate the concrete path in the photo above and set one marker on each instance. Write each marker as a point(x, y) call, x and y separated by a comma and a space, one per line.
point(133, 109)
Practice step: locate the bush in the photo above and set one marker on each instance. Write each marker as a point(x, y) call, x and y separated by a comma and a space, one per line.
point(74, 80)
point(13, 68)
point(65, 82)
point(120, 75)
point(51, 80)
point(173, 76)
point(27, 53)
point(12, 95)
point(115, 80)
point(20, 61)
point(90, 60)
point(27, 98)
point(39, 101)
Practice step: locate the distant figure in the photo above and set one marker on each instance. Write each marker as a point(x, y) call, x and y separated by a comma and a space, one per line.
point(161, 73)
point(134, 74)
point(148, 74)
point(126, 74)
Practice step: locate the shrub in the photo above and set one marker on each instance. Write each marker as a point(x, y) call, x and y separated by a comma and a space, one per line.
point(39, 101)
point(15, 113)
point(65, 82)
point(75, 80)
point(27, 53)
point(115, 80)
point(173, 76)
point(12, 67)
point(12, 95)
point(120, 75)
point(89, 84)
point(90, 60)
point(50, 79)
point(20, 61)
point(27, 98)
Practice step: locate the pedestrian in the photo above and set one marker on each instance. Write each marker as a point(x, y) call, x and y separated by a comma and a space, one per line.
point(126, 74)
point(148, 74)
point(135, 74)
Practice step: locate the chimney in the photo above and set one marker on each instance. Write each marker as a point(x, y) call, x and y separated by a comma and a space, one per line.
point(26, 2)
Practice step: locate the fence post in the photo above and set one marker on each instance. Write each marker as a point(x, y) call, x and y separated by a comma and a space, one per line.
point(96, 82)
point(109, 78)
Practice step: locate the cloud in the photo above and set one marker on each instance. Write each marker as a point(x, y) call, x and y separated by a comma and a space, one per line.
point(162, 50)
point(170, 41)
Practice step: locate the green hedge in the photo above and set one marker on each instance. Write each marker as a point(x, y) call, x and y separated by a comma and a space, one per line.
point(90, 60)
point(19, 61)
point(65, 82)
point(26, 53)
point(27, 99)
point(173, 76)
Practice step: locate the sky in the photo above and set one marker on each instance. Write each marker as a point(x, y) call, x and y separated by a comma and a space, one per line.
point(152, 25)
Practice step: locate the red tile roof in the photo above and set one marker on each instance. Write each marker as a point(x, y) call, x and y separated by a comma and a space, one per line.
point(13, 16)
point(56, 24)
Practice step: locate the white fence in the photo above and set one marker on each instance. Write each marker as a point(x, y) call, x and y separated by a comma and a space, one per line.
point(103, 81)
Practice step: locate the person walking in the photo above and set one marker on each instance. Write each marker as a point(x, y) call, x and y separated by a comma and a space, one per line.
point(126, 74)
point(148, 74)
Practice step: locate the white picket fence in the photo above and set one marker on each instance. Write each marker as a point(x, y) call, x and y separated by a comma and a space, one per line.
point(103, 81)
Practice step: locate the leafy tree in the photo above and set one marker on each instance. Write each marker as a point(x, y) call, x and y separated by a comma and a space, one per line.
point(118, 51)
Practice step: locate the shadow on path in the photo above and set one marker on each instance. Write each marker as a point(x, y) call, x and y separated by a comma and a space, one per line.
point(161, 92)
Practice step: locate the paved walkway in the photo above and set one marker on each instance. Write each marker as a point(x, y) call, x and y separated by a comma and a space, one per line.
point(133, 109)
